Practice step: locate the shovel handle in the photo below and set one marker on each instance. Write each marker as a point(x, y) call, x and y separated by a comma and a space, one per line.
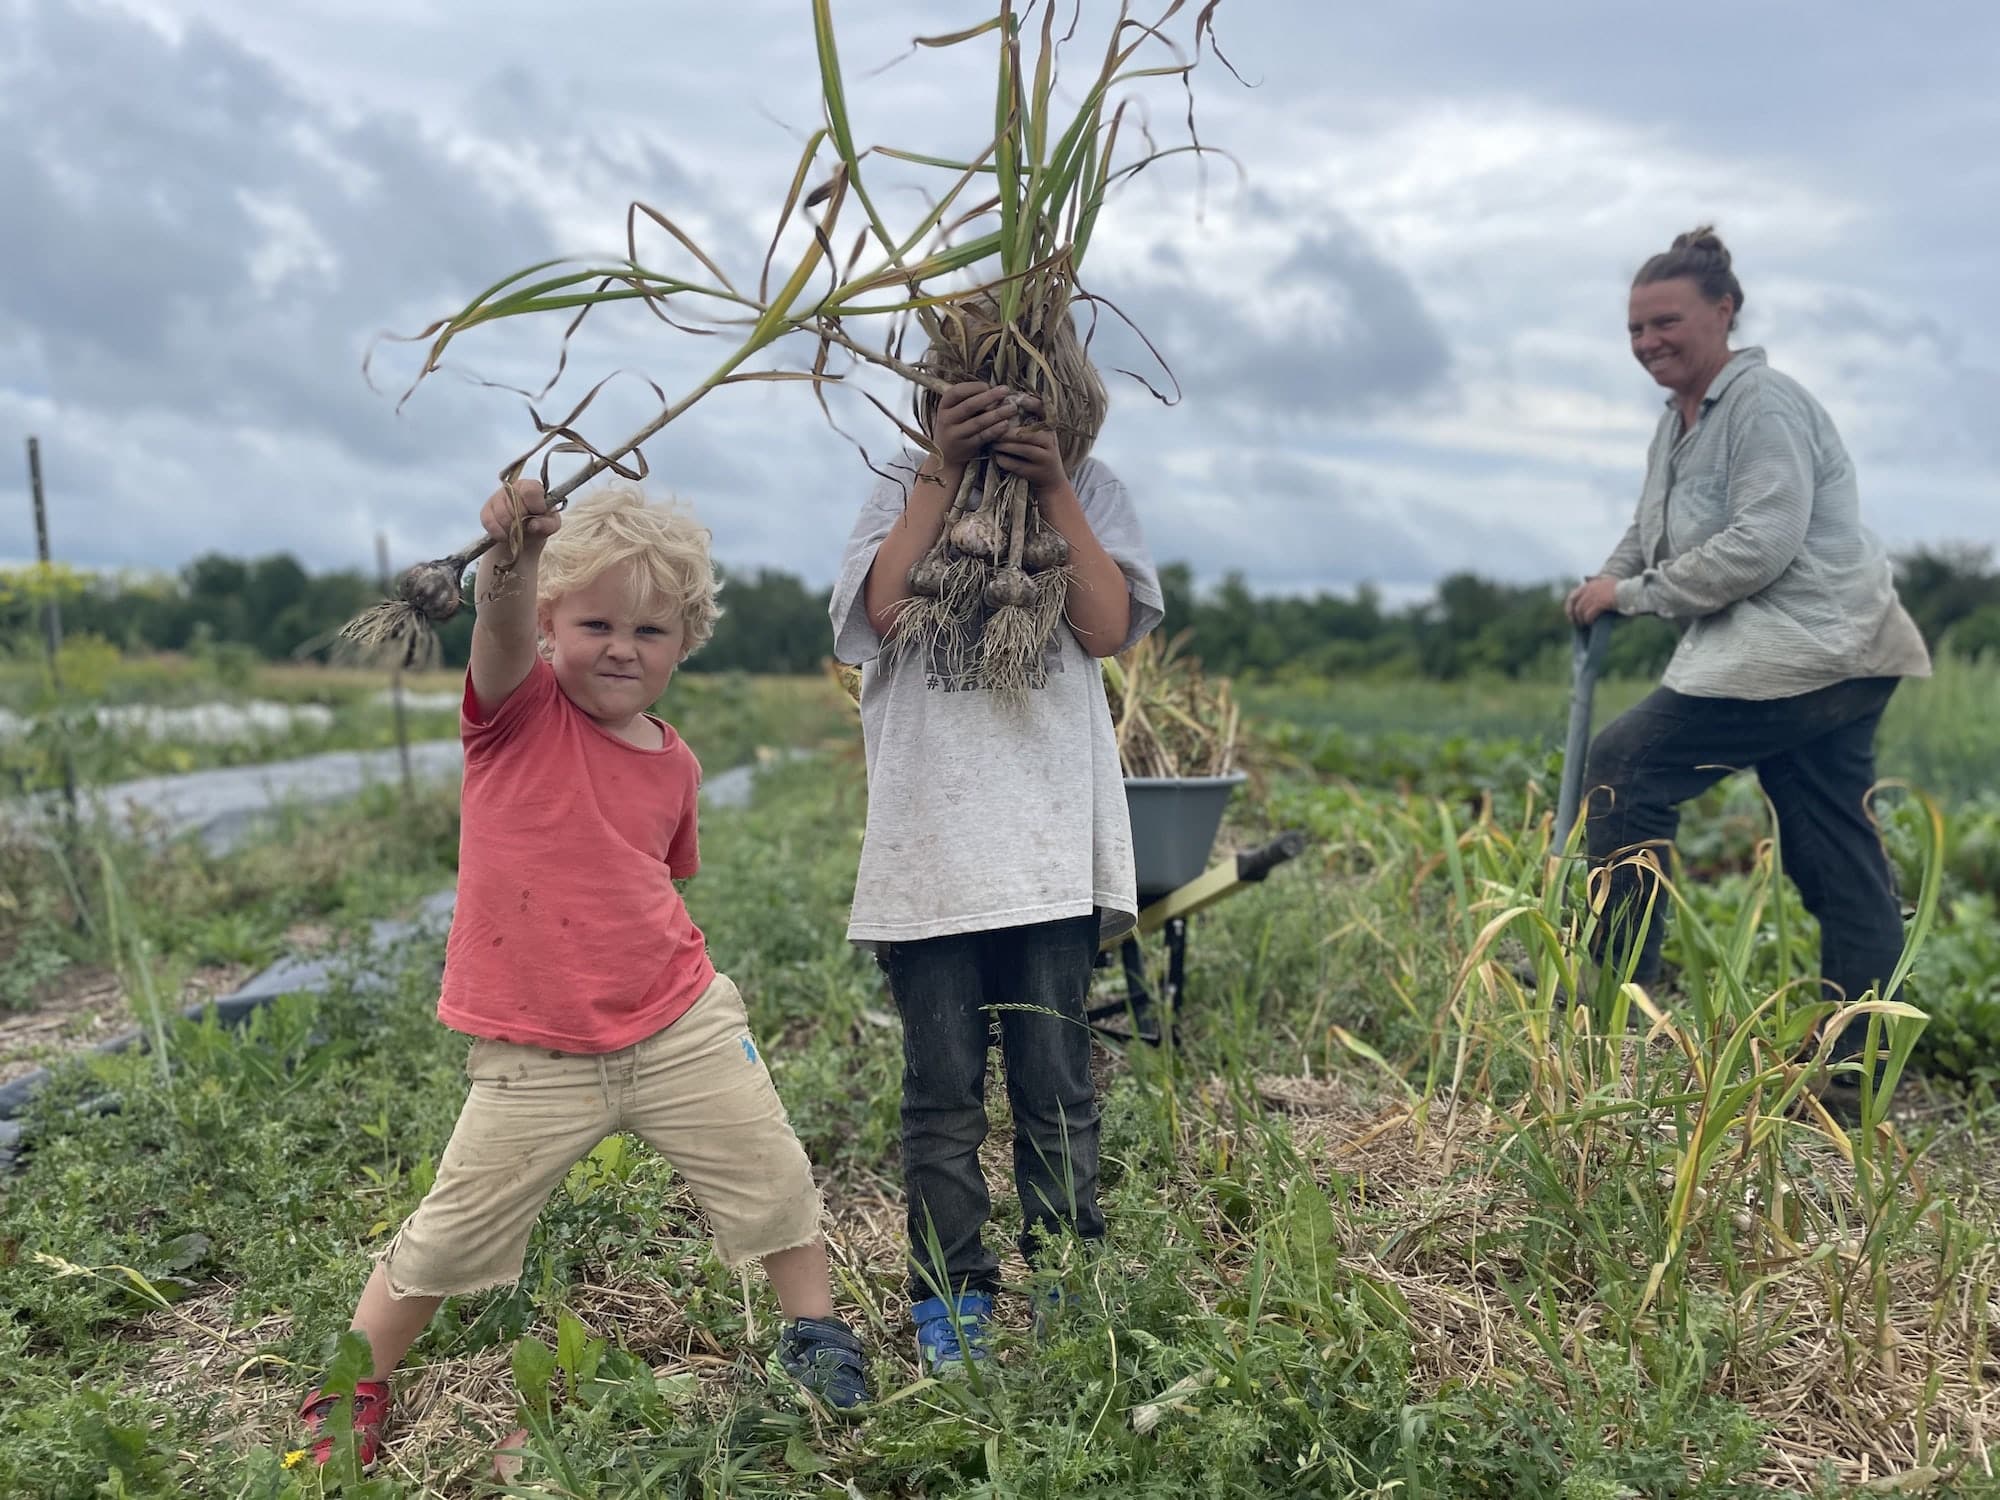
point(1589, 646)
point(1592, 644)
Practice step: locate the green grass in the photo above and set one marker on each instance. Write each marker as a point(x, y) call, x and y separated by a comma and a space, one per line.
point(72, 906)
point(1942, 734)
point(1385, 1221)
point(191, 906)
point(1459, 1307)
point(726, 716)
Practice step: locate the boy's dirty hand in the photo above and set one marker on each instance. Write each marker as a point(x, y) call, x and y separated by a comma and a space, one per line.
point(970, 415)
point(1034, 454)
point(523, 499)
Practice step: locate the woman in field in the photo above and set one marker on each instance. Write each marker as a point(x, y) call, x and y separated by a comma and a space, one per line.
point(1748, 536)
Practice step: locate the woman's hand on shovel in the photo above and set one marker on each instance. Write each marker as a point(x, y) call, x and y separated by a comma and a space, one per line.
point(1591, 598)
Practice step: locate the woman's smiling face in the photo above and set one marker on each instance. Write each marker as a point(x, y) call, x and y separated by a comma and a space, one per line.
point(1680, 338)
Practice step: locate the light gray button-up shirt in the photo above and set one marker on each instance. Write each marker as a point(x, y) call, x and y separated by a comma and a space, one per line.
point(1749, 536)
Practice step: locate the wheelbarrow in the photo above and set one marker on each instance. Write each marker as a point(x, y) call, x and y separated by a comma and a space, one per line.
point(1174, 823)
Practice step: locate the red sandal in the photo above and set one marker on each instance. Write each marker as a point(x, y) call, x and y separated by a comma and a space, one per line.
point(371, 1415)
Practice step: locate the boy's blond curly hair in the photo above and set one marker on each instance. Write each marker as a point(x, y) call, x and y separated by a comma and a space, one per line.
point(618, 524)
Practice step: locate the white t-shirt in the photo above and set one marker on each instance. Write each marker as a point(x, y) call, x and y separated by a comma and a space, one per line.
point(985, 812)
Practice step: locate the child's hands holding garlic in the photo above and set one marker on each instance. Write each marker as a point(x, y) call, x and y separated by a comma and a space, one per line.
point(1033, 454)
point(971, 415)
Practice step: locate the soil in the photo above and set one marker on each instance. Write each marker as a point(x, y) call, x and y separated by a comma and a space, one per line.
point(85, 1006)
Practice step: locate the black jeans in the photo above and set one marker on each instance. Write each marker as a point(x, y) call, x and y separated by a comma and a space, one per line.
point(1815, 755)
point(949, 991)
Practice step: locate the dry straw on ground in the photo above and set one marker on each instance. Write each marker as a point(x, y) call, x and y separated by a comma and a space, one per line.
point(1171, 720)
point(87, 1006)
point(1833, 1391)
point(1422, 1185)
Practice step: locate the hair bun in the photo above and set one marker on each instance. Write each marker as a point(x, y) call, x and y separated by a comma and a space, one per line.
point(1701, 257)
point(1703, 241)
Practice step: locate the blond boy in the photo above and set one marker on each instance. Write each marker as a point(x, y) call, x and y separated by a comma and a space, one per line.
point(573, 962)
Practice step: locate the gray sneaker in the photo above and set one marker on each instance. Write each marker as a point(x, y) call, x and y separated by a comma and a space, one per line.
point(821, 1357)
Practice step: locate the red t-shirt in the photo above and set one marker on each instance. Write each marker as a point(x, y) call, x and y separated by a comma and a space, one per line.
point(568, 932)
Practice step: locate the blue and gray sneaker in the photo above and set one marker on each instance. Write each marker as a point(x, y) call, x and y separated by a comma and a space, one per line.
point(823, 1357)
point(950, 1333)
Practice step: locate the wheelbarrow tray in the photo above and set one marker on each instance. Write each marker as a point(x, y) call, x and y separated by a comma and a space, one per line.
point(1174, 822)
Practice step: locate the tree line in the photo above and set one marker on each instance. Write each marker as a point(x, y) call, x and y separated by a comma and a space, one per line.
point(774, 622)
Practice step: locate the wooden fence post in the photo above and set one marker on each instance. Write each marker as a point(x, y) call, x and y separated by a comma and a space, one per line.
point(395, 672)
point(52, 627)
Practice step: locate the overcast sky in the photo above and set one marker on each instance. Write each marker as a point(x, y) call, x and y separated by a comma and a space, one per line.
point(1398, 335)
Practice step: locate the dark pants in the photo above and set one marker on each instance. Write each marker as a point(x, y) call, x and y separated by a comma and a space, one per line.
point(949, 990)
point(1815, 755)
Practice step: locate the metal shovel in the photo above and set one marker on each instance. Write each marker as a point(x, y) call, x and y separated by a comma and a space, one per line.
point(1589, 645)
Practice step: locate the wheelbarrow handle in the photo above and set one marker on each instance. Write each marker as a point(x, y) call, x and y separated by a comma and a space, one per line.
point(1255, 864)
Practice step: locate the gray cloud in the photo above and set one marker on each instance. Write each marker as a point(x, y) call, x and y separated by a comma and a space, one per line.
point(209, 255)
point(207, 221)
point(1288, 525)
point(1373, 538)
point(201, 243)
point(1366, 344)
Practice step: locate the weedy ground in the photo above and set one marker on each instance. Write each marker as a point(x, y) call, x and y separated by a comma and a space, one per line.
point(1386, 1218)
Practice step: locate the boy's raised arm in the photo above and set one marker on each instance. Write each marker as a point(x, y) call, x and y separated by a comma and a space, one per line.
point(503, 631)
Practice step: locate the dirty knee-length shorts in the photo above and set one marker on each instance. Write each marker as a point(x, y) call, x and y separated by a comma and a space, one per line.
point(697, 1092)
